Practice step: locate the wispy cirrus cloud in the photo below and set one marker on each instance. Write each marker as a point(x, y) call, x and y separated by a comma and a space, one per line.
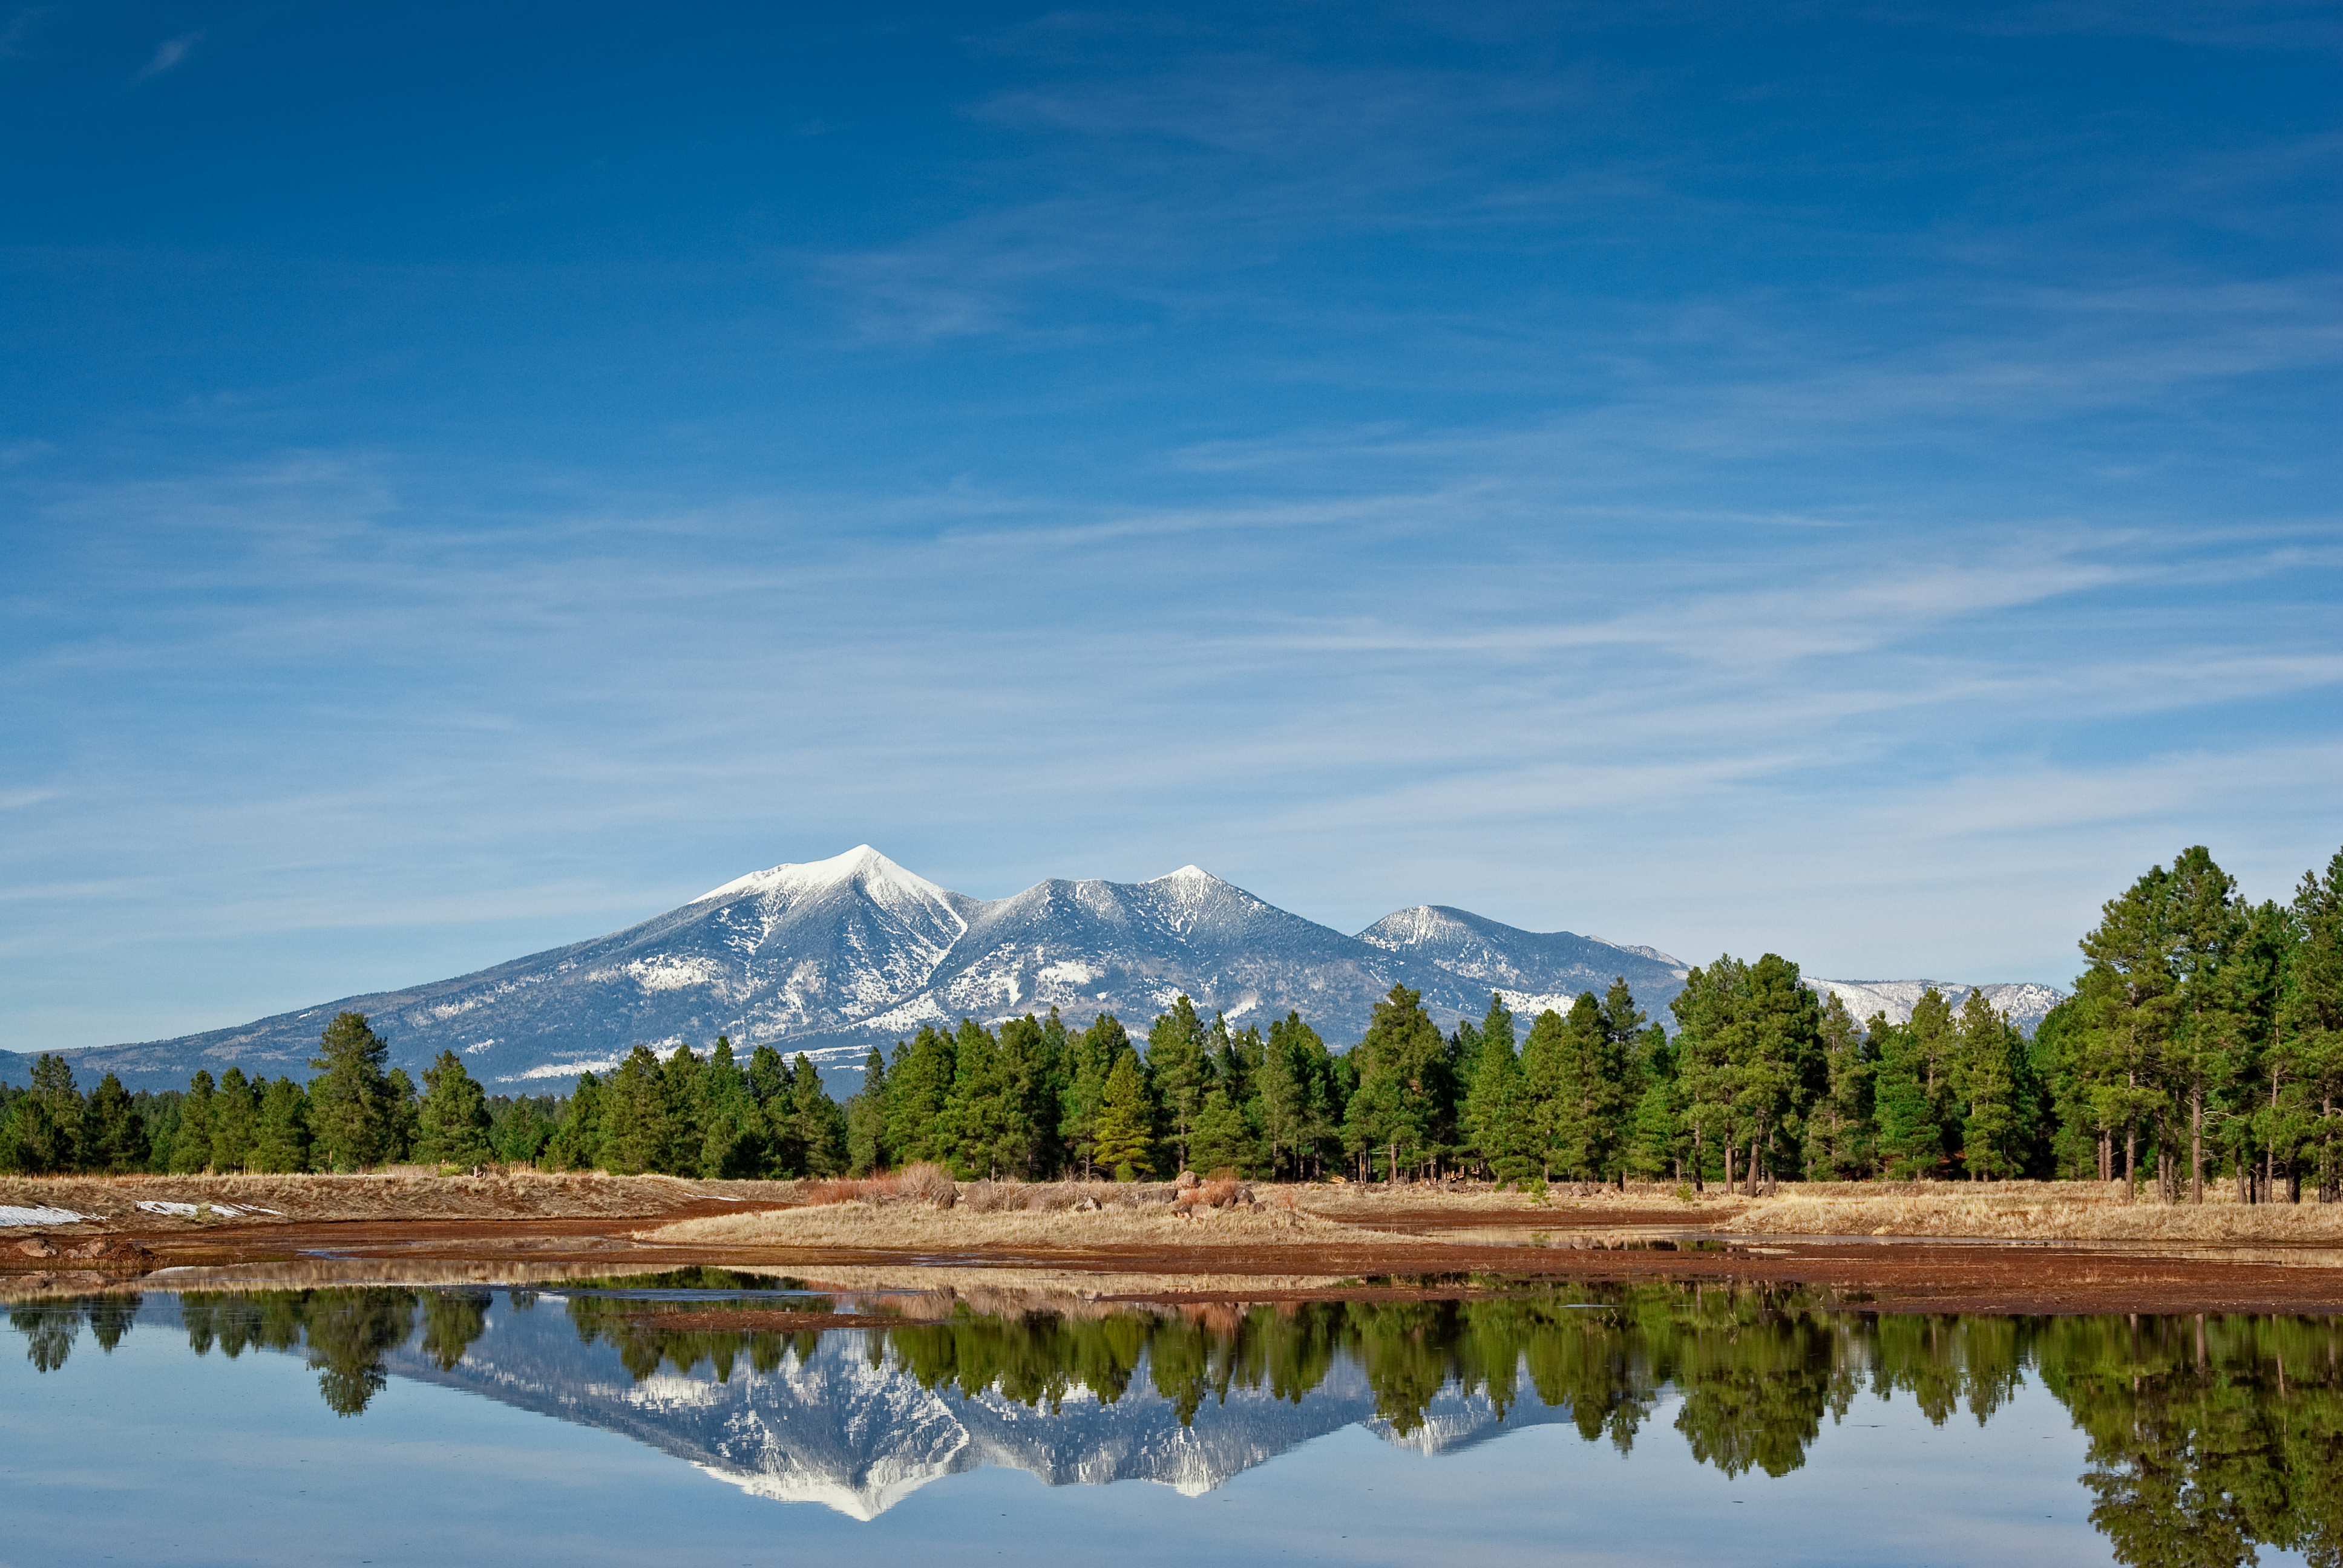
point(168, 56)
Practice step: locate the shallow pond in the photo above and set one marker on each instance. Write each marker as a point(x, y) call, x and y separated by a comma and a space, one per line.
point(702, 1417)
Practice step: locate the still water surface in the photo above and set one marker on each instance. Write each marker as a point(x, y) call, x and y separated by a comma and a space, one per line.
point(639, 1420)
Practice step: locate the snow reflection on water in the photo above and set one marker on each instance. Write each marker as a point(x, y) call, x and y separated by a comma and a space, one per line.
point(2219, 1433)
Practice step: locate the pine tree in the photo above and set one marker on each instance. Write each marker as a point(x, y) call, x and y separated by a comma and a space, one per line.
point(1917, 1114)
point(350, 1114)
point(816, 1127)
point(1659, 1141)
point(1089, 1058)
point(115, 1133)
point(735, 1137)
point(1838, 1127)
point(2053, 1056)
point(280, 1142)
point(2130, 996)
point(452, 1123)
point(577, 1143)
point(1219, 1140)
point(1991, 1082)
point(1403, 1086)
point(519, 1129)
point(191, 1140)
point(1585, 1074)
point(1283, 1093)
point(2306, 1076)
point(2217, 1032)
point(1179, 1070)
point(1125, 1141)
point(979, 1119)
point(1752, 1062)
point(637, 1128)
point(866, 1119)
point(43, 1133)
point(918, 1083)
point(1498, 1114)
point(236, 1116)
point(400, 1101)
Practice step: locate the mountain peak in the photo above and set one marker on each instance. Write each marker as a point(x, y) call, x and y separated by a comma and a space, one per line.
point(1188, 874)
point(861, 866)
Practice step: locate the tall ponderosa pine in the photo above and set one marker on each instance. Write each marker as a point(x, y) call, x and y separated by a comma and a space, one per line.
point(1403, 1089)
point(1091, 1057)
point(280, 1141)
point(2131, 1002)
point(452, 1122)
point(43, 1133)
point(735, 1140)
point(1838, 1125)
point(816, 1126)
point(1993, 1082)
point(919, 1084)
point(1914, 1101)
point(1125, 1141)
point(1587, 1096)
point(1751, 1061)
point(351, 1117)
point(866, 1119)
point(2306, 1075)
point(1499, 1118)
point(191, 1140)
point(235, 1121)
point(1180, 1070)
point(637, 1127)
point(114, 1133)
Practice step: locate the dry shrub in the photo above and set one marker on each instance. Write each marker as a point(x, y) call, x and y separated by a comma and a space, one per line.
point(919, 1183)
point(1222, 1192)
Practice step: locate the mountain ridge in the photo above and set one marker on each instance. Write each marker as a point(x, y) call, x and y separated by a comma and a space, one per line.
point(835, 957)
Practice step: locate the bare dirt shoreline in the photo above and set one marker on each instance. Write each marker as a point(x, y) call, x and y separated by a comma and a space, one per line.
point(1299, 1243)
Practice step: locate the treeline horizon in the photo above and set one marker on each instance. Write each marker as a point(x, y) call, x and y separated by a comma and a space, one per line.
point(2204, 1041)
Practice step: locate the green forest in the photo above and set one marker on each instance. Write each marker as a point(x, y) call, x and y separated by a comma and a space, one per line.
point(2204, 1043)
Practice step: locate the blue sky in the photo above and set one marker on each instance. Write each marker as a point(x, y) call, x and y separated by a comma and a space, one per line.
point(1856, 481)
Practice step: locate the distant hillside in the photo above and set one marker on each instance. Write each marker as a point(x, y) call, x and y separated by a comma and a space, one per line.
point(2024, 1004)
point(836, 956)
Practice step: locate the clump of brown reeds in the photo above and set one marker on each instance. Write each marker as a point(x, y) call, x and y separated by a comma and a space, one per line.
point(923, 1183)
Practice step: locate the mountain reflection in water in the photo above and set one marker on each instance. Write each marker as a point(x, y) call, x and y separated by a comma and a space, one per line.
point(2208, 1436)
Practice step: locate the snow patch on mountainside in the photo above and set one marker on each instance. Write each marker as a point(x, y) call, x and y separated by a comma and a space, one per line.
point(861, 867)
point(2024, 1001)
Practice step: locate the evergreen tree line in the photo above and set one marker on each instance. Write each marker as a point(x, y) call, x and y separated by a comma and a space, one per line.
point(2204, 1041)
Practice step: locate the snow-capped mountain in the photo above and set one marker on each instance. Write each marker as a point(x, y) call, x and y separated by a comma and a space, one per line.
point(1534, 970)
point(835, 955)
point(2024, 1004)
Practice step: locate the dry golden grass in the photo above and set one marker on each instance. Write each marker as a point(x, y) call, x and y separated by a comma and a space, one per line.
point(2043, 1211)
point(514, 1196)
point(923, 1226)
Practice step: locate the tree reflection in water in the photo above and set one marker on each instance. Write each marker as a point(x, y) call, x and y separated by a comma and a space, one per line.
point(2208, 1436)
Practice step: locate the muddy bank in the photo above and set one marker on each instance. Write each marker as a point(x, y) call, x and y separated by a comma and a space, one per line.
point(1311, 1243)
